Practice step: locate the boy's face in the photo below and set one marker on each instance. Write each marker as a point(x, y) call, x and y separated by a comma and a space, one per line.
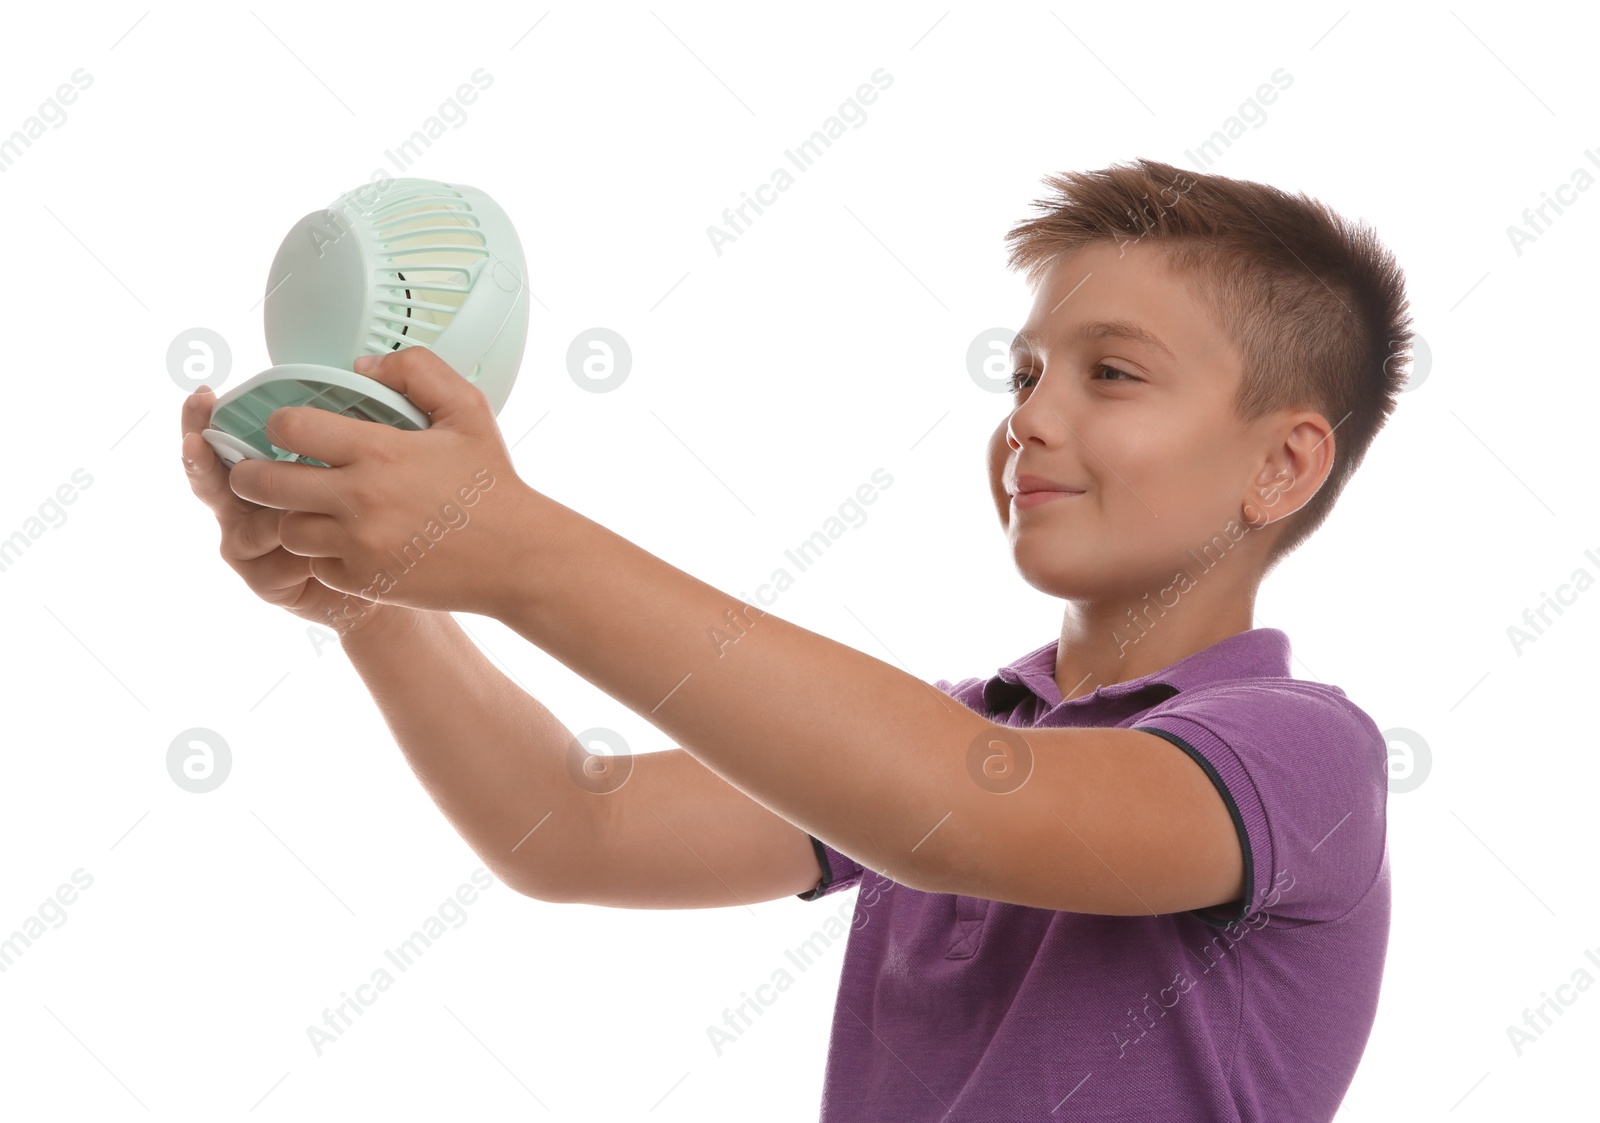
point(1161, 460)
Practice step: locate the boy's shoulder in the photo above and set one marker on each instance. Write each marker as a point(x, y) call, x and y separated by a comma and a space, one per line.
point(1272, 701)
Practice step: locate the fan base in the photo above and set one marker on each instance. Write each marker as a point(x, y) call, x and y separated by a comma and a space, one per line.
point(239, 419)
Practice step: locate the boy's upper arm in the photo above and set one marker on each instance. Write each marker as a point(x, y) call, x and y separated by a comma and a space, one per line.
point(675, 835)
point(838, 870)
point(1291, 774)
point(1302, 770)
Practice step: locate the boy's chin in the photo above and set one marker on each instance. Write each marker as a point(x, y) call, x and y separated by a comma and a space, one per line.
point(1067, 582)
point(1086, 579)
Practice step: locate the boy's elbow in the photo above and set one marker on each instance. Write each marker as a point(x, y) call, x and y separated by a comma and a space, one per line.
point(549, 897)
point(546, 889)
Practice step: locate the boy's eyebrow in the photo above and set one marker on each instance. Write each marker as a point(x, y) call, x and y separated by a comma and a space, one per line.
point(1101, 329)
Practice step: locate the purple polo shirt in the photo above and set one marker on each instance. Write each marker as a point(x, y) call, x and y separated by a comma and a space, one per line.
point(958, 1008)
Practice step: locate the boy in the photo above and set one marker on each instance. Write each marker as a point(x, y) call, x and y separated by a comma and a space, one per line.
point(1139, 873)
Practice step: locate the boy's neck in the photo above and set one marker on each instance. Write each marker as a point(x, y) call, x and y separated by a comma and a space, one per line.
point(1100, 644)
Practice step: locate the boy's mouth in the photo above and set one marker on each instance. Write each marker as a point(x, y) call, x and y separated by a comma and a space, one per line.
point(1026, 484)
point(1026, 499)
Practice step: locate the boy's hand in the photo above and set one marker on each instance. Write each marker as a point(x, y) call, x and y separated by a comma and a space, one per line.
point(250, 542)
point(424, 519)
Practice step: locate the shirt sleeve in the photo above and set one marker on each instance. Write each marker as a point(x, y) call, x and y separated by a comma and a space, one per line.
point(1304, 773)
point(839, 871)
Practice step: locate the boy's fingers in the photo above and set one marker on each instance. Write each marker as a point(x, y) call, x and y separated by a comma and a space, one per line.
point(197, 409)
point(253, 534)
point(279, 577)
point(208, 479)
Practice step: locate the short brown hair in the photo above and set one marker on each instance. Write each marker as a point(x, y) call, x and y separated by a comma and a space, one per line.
point(1315, 303)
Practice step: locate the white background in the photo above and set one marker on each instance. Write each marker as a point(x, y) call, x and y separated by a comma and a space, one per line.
point(768, 383)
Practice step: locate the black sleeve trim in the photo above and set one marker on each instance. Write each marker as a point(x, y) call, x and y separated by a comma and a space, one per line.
point(827, 872)
point(1238, 825)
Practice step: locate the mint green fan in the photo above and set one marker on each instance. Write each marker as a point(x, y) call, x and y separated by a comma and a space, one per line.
point(406, 263)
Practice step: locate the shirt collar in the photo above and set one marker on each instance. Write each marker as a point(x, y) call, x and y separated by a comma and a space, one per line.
point(1258, 652)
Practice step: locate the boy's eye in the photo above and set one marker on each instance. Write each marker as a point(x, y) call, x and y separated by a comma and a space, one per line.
point(1021, 381)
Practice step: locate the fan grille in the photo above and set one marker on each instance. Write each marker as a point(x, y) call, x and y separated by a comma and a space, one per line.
point(431, 250)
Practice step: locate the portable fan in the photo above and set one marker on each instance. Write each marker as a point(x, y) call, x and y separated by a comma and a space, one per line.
point(410, 262)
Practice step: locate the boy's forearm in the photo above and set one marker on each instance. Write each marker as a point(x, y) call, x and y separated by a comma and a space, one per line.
point(490, 756)
point(855, 751)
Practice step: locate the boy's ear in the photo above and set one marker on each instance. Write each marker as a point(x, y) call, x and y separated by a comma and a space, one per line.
point(999, 451)
point(1296, 467)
